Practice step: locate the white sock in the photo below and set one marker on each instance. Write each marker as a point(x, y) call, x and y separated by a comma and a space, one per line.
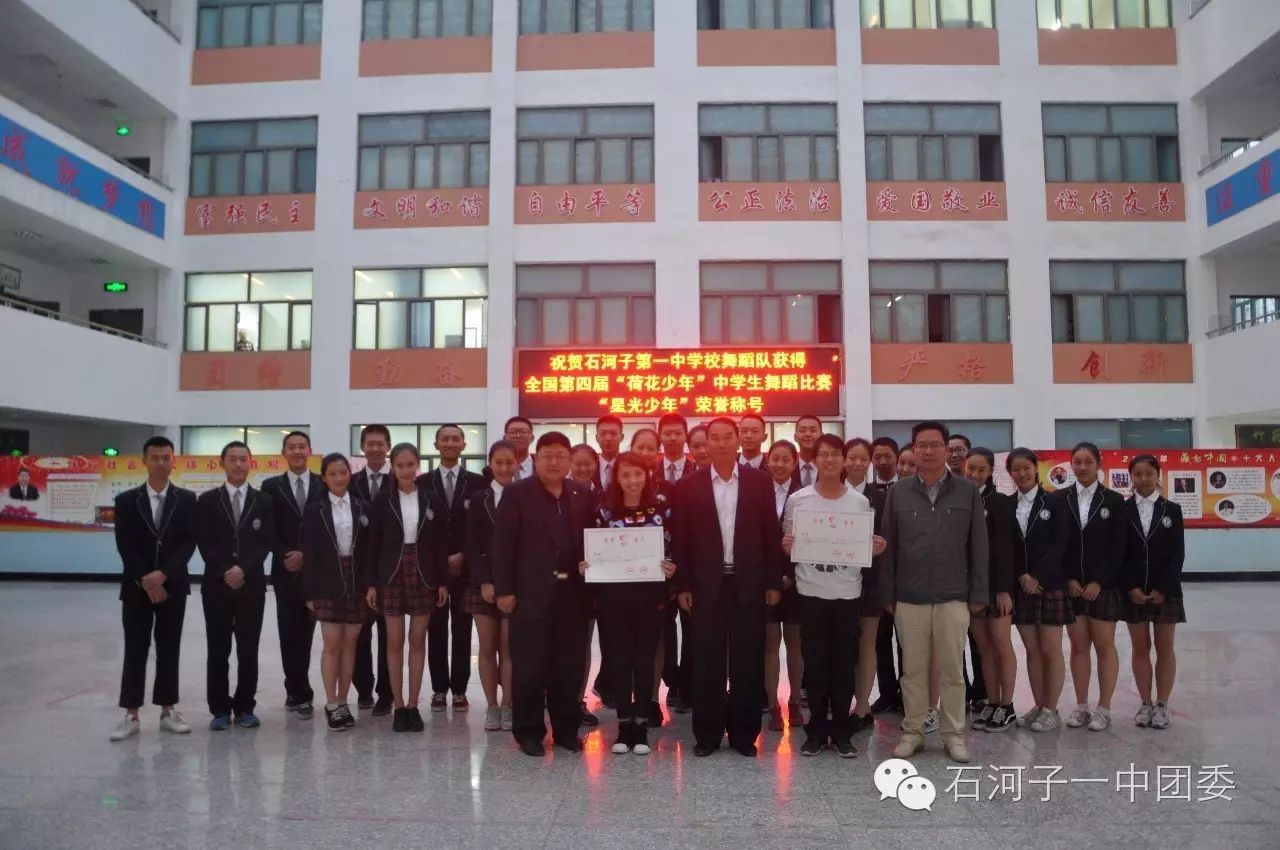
point(332, 706)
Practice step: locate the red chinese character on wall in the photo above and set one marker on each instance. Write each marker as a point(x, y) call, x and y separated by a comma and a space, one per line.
point(720, 200)
point(988, 200)
point(204, 216)
point(751, 200)
point(535, 203)
point(1131, 206)
point(469, 205)
point(67, 172)
point(598, 201)
point(1100, 200)
point(1264, 177)
point(633, 201)
point(407, 207)
point(1164, 204)
point(437, 206)
point(972, 368)
point(265, 215)
point(885, 200)
point(111, 193)
point(567, 205)
point(819, 200)
point(1223, 201)
point(952, 200)
point(386, 372)
point(269, 372)
point(784, 200)
point(920, 201)
point(913, 358)
point(1068, 200)
point(1152, 362)
point(215, 374)
point(1093, 365)
point(374, 210)
point(15, 147)
point(234, 214)
point(295, 212)
point(146, 216)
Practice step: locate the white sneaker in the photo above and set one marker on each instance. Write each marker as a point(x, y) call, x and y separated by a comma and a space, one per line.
point(1101, 719)
point(931, 721)
point(1029, 718)
point(127, 728)
point(173, 722)
point(1046, 721)
point(493, 718)
point(508, 719)
point(1143, 718)
point(980, 722)
point(908, 747)
point(1078, 717)
point(1160, 716)
point(957, 751)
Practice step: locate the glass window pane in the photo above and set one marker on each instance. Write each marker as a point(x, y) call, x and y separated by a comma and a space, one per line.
point(1118, 319)
point(897, 277)
point(527, 322)
point(806, 277)
point(896, 118)
point(931, 150)
point(642, 160)
point(614, 161)
point(792, 14)
point(235, 23)
point(287, 132)
point(247, 327)
point(280, 286)
point(802, 118)
point(305, 180)
point(260, 26)
point(962, 158)
point(763, 14)
point(770, 320)
point(904, 153)
point(877, 167)
point(997, 312)
point(801, 322)
point(388, 283)
point(1088, 320)
point(312, 16)
point(535, 123)
point(731, 119)
point(253, 173)
point(400, 18)
point(1060, 309)
point(620, 278)
point(527, 163)
point(287, 21)
point(392, 317)
point(897, 14)
point(1072, 118)
point(207, 29)
point(530, 17)
point(540, 280)
point(453, 166)
point(768, 159)
point(742, 319)
point(208, 288)
point(711, 316)
point(195, 328)
point(280, 172)
point(1082, 152)
point(274, 329)
point(381, 129)
point(955, 13)
point(824, 164)
point(1175, 318)
point(1075, 13)
point(985, 276)
point(1112, 170)
point(613, 320)
point(642, 15)
point(209, 440)
point(375, 12)
point(1104, 13)
point(455, 282)
point(555, 321)
point(366, 326)
point(735, 15)
point(587, 16)
point(1155, 433)
point(1158, 11)
point(1165, 277)
point(222, 328)
point(881, 318)
point(479, 155)
point(909, 318)
point(1139, 159)
point(475, 327)
point(420, 313)
point(201, 174)
point(983, 14)
point(449, 332)
point(738, 157)
point(797, 158)
point(926, 17)
point(1148, 324)
point(1073, 277)
point(1055, 160)
point(216, 135)
point(453, 20)
point(1145, 118)
point(424, 167)
point(619, 120)
point(1167, 158)
point(556, 163)
point(559, 16)
point(585, 321)
point(1105, 433)
point(226, 174)
point(735, 277)
point(395, 167)
point(966, 318)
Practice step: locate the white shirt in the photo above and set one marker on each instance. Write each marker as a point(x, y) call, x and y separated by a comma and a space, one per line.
point(893, 480)
point(157, 502)
point(606, 470)
point(243, 490)
point(409, 513)
point(1085, 495)
point(780, 493)
point(860, 489)
point(343, 524)
point(756, 462)
point(667, 463)
point(813, 467)
point(826, 581)
point(525, 469)
point(385, 472)
point(726, 494)
point(294, 478)
point(1026, 501)
point(1146, 509)
point(497, 492)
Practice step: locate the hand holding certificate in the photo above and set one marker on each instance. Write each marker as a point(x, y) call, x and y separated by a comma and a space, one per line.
point(830, 537)
point(623, 554)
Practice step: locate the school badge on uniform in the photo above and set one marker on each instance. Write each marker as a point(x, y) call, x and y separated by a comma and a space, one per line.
point(430, 514)
point(1166, 522)
point(1105, 513)
point(364, 520)
point(257, 525)
point(466, 504)
point(1044, 513)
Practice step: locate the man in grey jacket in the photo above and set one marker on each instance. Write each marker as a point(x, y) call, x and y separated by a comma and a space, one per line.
point(933, 576)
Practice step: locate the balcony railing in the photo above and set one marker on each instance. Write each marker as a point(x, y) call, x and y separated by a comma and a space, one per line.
point(1240, 151)
point(1264, 319)
point(26, 306)
point(155, 20)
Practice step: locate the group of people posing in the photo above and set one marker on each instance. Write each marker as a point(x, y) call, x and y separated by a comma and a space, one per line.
point(391, 550)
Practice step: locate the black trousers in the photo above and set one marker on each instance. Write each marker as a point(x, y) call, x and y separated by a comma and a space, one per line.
point(546, 661)
point(975, 687)
point(677, 658)
point(450, 672)
point(829, 641)
point(632, 617)
point(728, 637)
point(886, 673)
point(142, 619)
point(297, 628)
point(230, 613)
point(362, 676)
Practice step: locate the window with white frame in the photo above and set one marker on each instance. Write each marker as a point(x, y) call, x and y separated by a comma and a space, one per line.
point(994, 434)
point(394, 19)
point(263, 440)
point(267, 157)
point(574, 16)
point(928, 14)
point(1124, 433)
point(1103, 14)
point(939, 301)
point(248, 311)
point(474, 455)
point(595, 304)
point(767, 142)
point(593, 144)
point(765, 14)
point(430, 150)
point(933, 141)
point(1118, 301)
point(750, 303)
point(1130, 142)
point(260, 23)
point(421, 308)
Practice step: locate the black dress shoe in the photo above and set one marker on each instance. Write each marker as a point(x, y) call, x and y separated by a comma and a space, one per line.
point(573, 745)
point(703, 751)
point(748, 750)
point(400, 721)
point(415, 720)
point(655, 714)
point(588, 719)
point(886, 706)
point(382, 707)
point(532, 748)
point(364, 702)
point(682, 705)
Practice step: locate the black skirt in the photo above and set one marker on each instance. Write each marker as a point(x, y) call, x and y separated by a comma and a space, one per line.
point(1046, 608)
point(407, 594)
point(1108, 607)
point(1171, 610)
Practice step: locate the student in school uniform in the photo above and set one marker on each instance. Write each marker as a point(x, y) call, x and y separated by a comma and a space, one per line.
point(782, 621)
point(808, 429)
point(1041, 607)
point(451, 489)
point(535, 554)
point(1152, 581)
point(609, 439)
point(584, 470)
point(369, 485)
point(632, 614)
point(906, 462)
point(885, 454)
point(884, 460)
point(235, 533)
point(155, 527)
point(291, 492)
point(751, 431)
point(990, 628)
point(673, 467)
point(518, 431)
point(1093, 557)
point(857, 465)
point(409, 577)
point(492, 626)
point(336, 555)
point(698, 450)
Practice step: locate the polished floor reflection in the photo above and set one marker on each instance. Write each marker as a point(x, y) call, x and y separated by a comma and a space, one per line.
point(293, 784)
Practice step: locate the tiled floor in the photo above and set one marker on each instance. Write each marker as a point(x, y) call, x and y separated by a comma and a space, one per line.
point(293, 784)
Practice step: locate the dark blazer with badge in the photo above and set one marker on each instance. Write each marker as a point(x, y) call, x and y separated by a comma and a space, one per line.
point(481, 520)
point(288, 517)
point(322, 574)
point(388, 541)
point(1096, 549)
point(1000, 534)
point(144, 547)
point(467, 488)
point(224, 544)
point(524, 553)
point(1153, 561)
point(1041, 550)
point(360, 485)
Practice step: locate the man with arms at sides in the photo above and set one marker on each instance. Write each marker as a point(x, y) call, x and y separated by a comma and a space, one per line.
point(236, 532)
point(673, 430)
point(537, 547)
point(24, 490)
point(958, 446)
point(698, 447)
point(155, 528)
point(373, 482)
point(677, 669)
point(727, 545)
point(975, 689)
point(751, 430)
point(290, 494)
point(519, 432)
point(808, 429)
point(933, 575)
point(884, 462)
point(609, 439)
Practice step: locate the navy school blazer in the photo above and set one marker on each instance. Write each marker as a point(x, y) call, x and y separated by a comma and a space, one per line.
point(322, 574)
point(1096, 550)
point(1153, 560)
point(145, 547)
point(1041, 549)
point(225, 544)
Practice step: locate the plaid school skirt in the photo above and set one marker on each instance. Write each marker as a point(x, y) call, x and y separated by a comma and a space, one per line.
point(1169, 611)
point(1108, 607)
point(353, 610)
point(407, 594)
point(1046, 608)
point(473, 603)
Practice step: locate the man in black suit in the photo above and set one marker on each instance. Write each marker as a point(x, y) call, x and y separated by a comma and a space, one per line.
point(808, 430)
point(235, 532)
point(24, 490)
point(370, 484)
point(677, 664)
point(450, 489)
point(729, 563)
point(290, 494)
point(537, 547)
point(155, 528)
point(609, 439)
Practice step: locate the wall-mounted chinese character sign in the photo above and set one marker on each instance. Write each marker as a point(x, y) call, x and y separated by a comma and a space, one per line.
point(695, 382)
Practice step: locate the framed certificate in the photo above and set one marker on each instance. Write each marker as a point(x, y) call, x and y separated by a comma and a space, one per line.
point(623, 554)
point(828, 537)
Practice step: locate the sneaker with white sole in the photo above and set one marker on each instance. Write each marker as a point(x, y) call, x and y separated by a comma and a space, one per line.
point(493, 718)
point(1160, 716)
point(172, 722)
point(508, 719)
point(909, 746)
point(1046, 721)
point(931, 721)
point(1100, 720)
point(957, 751)
point(1143, 718)
point(1029, 718)
point(984, 717)
point(127, 728)
point(1078, 717)
point(1001, 720)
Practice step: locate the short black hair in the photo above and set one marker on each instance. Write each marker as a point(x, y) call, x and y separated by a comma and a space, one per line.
point(968, 444)
point(990, 456)
point(785, 445)
point(673, 419)
point(157, 442)
point(722, 420)
point(235, 444)
point(830, 440)
point(884, 441)
point(332, 458)
point(755, 416)
point(929, 425)
point(635, 435)
point(405, 447)
point(1151, 459)
point(1090, 448)
point(1027, 455)
point(451, 425)
point(507, 424)
point(817, 419)
point(696, 429)
point(583, 447)
point(552, 438)
point(287, 437)
point(857, 441)
point(609, 419)
point(375, 429)
point(499, 445)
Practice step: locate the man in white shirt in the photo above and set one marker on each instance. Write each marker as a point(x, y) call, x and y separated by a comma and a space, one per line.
point(808, 429)
point(751, 429)
point(518, 431)
point(609, 439)
point(370, 484)
point(673, 430)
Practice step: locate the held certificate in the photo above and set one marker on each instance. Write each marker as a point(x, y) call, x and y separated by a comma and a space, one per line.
point(829, 537)
point(623, 554)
